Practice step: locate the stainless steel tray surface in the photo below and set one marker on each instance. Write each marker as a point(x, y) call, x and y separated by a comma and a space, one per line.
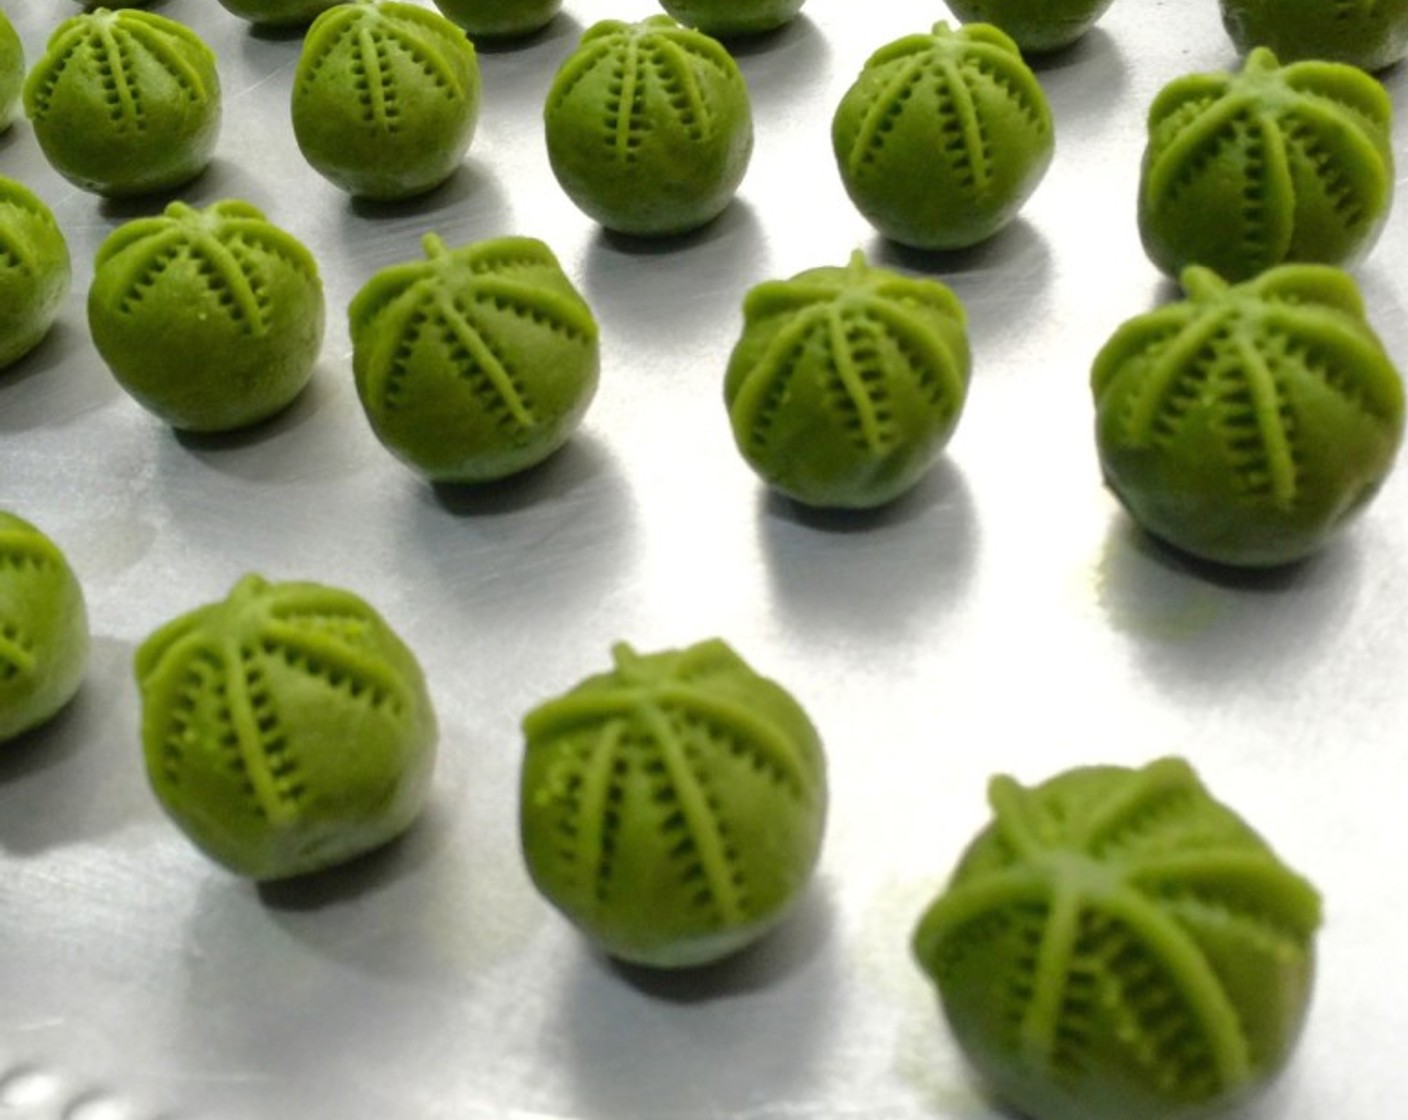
point(1004, 617)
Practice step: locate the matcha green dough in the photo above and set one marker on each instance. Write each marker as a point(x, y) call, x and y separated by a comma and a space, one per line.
point(1372, 34)
point(1034, 25)
point(385, 98)
point(278, 13)
point(730, 18)
point(847, 383)
point(211, 319)
point(672, 807)
point(43, 628)
point(1267, 166)
point(35, 270)
point(125, 102)
point(667, 158)
point(500, 19)
point(1117, 944)
point(1248, 423)
point(12, 68)
point(285, 729)
point(943, 137)
point(475, 363)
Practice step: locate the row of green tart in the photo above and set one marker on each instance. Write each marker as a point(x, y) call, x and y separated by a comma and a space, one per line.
point(1115, 942)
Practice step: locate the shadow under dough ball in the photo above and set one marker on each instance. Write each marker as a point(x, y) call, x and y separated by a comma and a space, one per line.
point(1372, 34)
point(733, 18)
point(1267, 166)
point(474, 363)
point(649, 127)
point(35, 270)
point(846, 383)
point(1116, 943)
point(1247, 424)
point(385, 98)
point(672, 808)
point(211, 319)
point(125, 102)
point(500, 19)
point(43, 628)
point(285, 728)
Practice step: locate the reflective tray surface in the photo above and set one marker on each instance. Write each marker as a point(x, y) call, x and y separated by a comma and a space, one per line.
point(1003, 617)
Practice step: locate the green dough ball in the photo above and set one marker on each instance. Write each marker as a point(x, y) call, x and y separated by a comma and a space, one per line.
point(1118, 944)
point(500, 19)
point(212, 319)
point(1372, 34)
point(11, 71)
point(727, 18)
point(672, 808)
point(385, 98)
point(476, 363)
point(153, 130)
point(1034, 25)
point(1247, 423)
point(285, 729)
point(43, 628)
point(35, 270)
point(847, 382)
point(1275, 164)
point(943, 137)
point(667, 158)
point(278, 13)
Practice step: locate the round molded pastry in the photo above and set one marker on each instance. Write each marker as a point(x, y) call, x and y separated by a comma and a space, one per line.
point(1371, 34)
point(1034, 25)
point(43, 628)
point(286, 728)
point(500, 19)
point(211, 319)
point(943, 137)
point(35, 270)
point(12, 68)
point(673, 807)
point(1117, 943)
point(669, 158)
point(385, 98)
point(729, 18)
point(1271, 165)
point(847, 382)
point(1248, 423)
point(476, 363)
point(154, 131)
point(278, 13)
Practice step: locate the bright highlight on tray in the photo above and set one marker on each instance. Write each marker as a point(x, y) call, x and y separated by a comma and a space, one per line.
point(847, 383)
point(1116, 943)
point(474, 363)
point(1248, 423)
point(286, 728)
point(35, 270)
point(672, 807)
point(43, 628)
point(385, 98)
point(943, 137)
point(1267, 166)
point(125, 102)
point(649, 126)
point(211, 319)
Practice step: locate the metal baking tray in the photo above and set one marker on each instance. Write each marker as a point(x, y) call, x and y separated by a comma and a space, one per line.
point(1005, 617)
